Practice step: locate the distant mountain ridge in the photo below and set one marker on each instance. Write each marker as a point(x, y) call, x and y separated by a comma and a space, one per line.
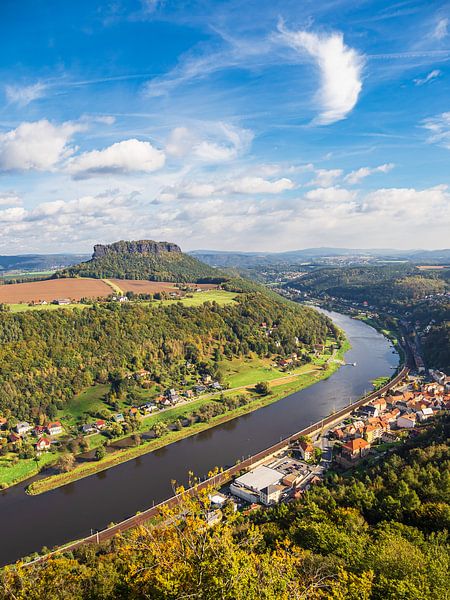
point(143, 259)
point(251, 259)
point(38, 262)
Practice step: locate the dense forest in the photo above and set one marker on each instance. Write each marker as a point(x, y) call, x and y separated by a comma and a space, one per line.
point(382, 285)
point(47, 357)
point(144, 259)
point(380, 534)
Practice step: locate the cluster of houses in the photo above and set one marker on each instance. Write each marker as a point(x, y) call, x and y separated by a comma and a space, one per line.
point(171, 397)
point(383, 419)
point(288, 473)
point(23, 429)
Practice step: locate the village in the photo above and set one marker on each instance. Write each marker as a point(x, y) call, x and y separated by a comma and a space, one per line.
point(366, 435)
point(15, 435)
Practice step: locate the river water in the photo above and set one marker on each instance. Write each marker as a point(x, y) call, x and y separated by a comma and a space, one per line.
point(27, 523)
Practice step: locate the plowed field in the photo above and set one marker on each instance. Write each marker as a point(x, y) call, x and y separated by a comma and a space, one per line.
point(53, 289)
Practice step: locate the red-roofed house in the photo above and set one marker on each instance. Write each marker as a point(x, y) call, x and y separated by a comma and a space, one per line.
point(355, 449)
point(43, 444)
point(306, 450)
point(54, 428)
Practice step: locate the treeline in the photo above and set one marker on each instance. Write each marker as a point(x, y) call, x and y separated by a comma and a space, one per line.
point(166, 266)
point(47, 357)
point(381, 534)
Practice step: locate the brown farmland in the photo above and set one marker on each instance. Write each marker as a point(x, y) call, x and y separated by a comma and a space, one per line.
point(53, 289)
point(152, 287)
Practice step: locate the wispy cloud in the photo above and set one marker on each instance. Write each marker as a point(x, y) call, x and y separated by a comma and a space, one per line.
point(356, 176)
point(212, 142)
point(431, 75)
point(23, 95)
point(340, 70)
point(441, 29)
point(439, 128)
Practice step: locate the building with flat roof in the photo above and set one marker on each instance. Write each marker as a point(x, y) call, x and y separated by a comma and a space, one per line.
point(250, 486)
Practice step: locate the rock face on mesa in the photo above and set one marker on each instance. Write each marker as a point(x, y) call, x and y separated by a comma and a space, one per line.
point(137, 247)
point(143, 259)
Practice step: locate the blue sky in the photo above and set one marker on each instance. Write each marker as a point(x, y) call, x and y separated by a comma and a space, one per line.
point(235, 125)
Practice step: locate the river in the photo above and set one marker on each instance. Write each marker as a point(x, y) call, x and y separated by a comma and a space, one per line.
point(27, 523)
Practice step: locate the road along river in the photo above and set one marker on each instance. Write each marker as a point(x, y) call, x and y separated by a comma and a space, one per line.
point(30, 522)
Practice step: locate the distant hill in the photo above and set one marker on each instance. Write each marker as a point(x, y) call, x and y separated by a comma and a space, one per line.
point(255, 259)
point(143, 259)
point(38, 262)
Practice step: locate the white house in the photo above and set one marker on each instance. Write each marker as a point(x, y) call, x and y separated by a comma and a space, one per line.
point(406, 421)
point(425, 413)
point(54, 428)
point(23, 427)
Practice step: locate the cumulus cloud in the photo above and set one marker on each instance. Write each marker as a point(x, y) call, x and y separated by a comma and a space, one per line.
point(240, 186)
point(441, 29)
point(325, 177)
point(9, 199)
point(213, 143)
point(23, 95)
point(439, 129)
point(356, 176)
point(389, 217)
point(431, 75)
point(122, 157)
point(340, 70)
point(38, 145)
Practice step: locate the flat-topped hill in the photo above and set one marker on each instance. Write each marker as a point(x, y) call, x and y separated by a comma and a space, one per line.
point(143, 259)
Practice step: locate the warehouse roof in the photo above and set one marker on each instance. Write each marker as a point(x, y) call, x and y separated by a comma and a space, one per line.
point(259, 478)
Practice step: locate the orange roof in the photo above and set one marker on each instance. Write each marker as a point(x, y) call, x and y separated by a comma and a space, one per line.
point(307, 447)
point(356, 445)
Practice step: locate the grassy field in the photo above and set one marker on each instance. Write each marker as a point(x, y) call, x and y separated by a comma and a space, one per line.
point(220, 296)
point(278, 390)
point(14, 473)
point(88, 401)
point(248, 371)
point(16, 308)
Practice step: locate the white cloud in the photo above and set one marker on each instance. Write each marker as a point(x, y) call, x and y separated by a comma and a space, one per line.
point(340, 69)
point(39, 145)
point(258, 185)
point(334, 195)
point(441, 29)
point(241, 186)
point(391, 217)
point(325, 177)
point(23, 95)
point(9, 199)
point(439, 128)
point(211, 143)
point(122, 157)
point(431, 75)
point(356, 176)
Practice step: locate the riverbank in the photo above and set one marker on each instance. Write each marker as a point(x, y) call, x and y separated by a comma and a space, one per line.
point(278, 390)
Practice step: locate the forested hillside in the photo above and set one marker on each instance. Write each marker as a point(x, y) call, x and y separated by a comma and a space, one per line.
point(376, 535)
point(47, 357)
point(144, 259)
point(384, 285)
